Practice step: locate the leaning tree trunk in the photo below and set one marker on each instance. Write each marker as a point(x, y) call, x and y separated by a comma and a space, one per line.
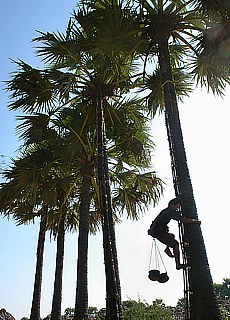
point(113, 297)
point(57, 295)
point(203, 303)
point(81, 303)
point(36, 301)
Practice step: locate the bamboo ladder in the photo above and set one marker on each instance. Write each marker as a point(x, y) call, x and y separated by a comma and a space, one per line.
point(184, 243)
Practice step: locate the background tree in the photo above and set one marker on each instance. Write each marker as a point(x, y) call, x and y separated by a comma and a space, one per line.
point(223, 290)
point(135, 310)
point(224, 314)
point(98, 85)
point(21, 199)
point(69, 312)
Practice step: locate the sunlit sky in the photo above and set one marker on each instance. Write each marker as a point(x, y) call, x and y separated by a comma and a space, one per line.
point(206, 131)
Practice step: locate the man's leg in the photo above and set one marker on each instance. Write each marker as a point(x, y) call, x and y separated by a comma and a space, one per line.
point(169, 241)
point(176, 252)
point(168, 252)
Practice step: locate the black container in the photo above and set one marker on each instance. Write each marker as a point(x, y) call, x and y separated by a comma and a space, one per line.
point(163, 278)
point(154, 275)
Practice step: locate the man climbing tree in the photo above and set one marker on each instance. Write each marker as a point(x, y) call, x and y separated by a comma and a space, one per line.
point(159, 229)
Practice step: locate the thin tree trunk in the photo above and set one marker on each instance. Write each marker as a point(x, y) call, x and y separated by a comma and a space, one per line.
point(202, 299)
point(112, 293)
point(113, 238)
point(36, 301)
point(57, 295)
point(81, 304)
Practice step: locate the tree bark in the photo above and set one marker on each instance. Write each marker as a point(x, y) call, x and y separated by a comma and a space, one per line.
point(36, 300)
point(81, 304)
point(112, 291)
point(57, 295)
point(203, 303)
point(113, 239)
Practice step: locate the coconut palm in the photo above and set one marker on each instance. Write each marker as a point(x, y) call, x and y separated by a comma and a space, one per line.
point(169, 24)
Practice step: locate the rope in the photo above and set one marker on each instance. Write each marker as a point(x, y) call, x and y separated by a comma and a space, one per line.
point(151, 252)
point(158, 257)
point(185, 273)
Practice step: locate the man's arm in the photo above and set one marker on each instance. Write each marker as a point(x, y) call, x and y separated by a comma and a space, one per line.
point(190, 221)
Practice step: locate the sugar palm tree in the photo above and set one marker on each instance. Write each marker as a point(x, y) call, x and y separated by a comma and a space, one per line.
point(44, 163)
point(64, 184)
point(25, 203)
point(36, 128)
point(85, 46)
point(128, 143)
point(64, 187)
point(216, 7)
point(80, 146)
point(168, 25)
point(80, 50)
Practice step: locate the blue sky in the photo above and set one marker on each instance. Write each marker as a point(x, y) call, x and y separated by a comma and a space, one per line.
point(206, 130)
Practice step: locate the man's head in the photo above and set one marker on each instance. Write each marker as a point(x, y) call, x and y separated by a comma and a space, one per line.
point(174, 203)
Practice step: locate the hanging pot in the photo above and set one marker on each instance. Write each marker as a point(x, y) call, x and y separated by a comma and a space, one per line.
point(154, 275)
point(163, 277)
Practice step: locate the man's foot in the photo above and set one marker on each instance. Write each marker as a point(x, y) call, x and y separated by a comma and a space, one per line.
point(169, 253)
point(181, 266)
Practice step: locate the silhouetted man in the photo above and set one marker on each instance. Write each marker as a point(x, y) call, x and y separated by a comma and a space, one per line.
point(159, 229)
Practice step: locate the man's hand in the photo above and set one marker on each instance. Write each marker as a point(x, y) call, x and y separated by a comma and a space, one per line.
point(190, 221)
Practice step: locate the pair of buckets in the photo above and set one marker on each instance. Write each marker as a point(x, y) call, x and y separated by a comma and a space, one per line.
point(156, 275)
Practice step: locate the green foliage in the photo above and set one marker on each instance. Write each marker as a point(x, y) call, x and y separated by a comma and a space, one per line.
point(69, 312)
point(95, 59)
point(101, 314)
point(225, 315)
point(181, 302)
point(136, 310)
point(223, 290)
point(92, 310)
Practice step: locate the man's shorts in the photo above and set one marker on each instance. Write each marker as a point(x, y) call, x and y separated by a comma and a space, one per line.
point(167, 238)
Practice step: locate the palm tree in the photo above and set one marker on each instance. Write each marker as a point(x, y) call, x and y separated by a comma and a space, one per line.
point(81, 304)
point(96, 86)
point(36, 129)
point(36, 300)
point(214, 7)
point(61, 184)
point(129, 143)
point(169, 24)
point(61, 212)
point(21, 199)
point(50, 181)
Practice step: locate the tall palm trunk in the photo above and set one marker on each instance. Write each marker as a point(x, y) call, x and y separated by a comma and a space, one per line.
point(81, 303)
point(113, 237)
point(36, 300)
point(203, 303)
point(113, 298)
point(57, 295)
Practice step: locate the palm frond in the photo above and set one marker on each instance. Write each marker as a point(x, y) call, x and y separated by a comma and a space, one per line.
point(31, 90)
